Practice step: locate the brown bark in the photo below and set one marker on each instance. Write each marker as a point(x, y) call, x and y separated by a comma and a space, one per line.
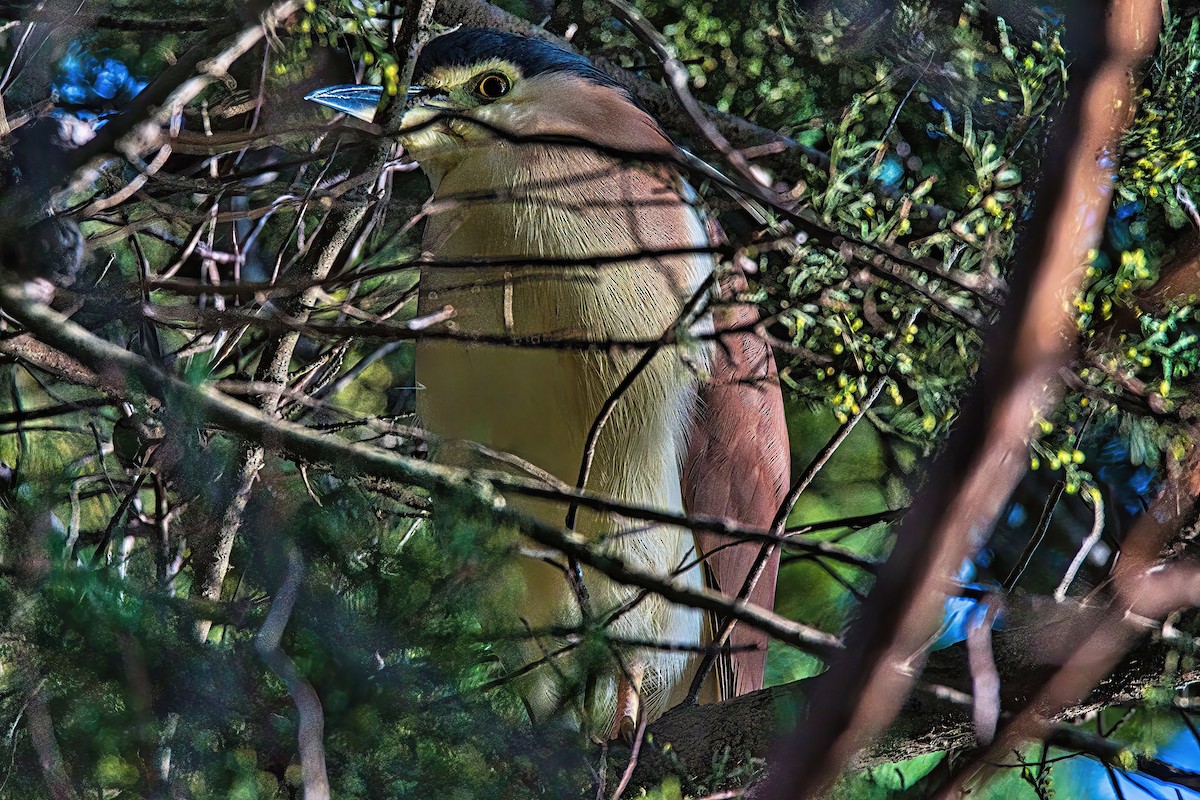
point(928, 722)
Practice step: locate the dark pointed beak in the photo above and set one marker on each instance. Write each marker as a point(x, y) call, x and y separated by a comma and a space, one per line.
point(358, 100)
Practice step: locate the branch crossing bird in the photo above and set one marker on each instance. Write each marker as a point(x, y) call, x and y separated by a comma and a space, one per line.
point(560, 219)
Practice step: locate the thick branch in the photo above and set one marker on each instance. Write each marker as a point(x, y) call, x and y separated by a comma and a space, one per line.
point(120, 368)
point(862, 692)
point(930, 721)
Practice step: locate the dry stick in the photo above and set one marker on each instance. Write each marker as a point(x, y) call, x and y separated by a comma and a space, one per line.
point(1108, 104)
point(863, 689)
point(677, 79)
point(338, 229)
point(37, 353)
point(32, 353)
point(639, 738)
point(117, 367)
point(985, 678)
point(1035, 541)
point(1085, 547)
point(310, 730)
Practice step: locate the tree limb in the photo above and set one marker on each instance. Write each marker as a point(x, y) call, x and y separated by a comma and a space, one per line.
point(121, 368)
point(931, 720)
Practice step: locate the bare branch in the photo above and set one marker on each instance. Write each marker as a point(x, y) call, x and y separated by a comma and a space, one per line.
point(311, 727)
point(477, 488)
point(863, 689)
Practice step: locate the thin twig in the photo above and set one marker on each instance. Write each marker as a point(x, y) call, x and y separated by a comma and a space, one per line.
point(310, 730)
point(479, 489)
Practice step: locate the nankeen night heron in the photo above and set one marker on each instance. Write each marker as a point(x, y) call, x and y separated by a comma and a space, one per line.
point(533, 153)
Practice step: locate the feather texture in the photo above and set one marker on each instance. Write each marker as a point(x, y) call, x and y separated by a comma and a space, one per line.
point(738, 468)
point(670, 443)
point(552, 202)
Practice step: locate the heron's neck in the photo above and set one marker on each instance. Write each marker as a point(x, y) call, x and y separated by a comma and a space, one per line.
point(552, 201)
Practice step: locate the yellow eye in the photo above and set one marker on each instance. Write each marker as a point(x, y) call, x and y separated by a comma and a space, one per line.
point(492, 86)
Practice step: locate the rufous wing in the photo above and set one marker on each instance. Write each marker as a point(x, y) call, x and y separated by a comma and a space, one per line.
point(738, 468)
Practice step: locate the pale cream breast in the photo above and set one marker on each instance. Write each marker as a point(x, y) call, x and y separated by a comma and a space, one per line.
point(507, 200)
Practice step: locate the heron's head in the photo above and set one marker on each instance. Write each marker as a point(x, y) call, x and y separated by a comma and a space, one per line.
point(474, 86)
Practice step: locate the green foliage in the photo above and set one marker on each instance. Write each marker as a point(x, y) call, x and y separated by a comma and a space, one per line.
point(928, 147)
point(887, 780)
point(1137, 371)
point(926, 158)
point(388, 631)
point(1159, 149)
point(882, 326)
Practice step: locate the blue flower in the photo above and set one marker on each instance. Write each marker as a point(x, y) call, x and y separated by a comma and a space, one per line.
point(77, 65)
point(1132, 487)
point(960, 615)
point(1119, 234)
point(71, 93)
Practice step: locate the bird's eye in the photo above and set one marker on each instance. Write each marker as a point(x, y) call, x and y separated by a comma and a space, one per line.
point(492, 86)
